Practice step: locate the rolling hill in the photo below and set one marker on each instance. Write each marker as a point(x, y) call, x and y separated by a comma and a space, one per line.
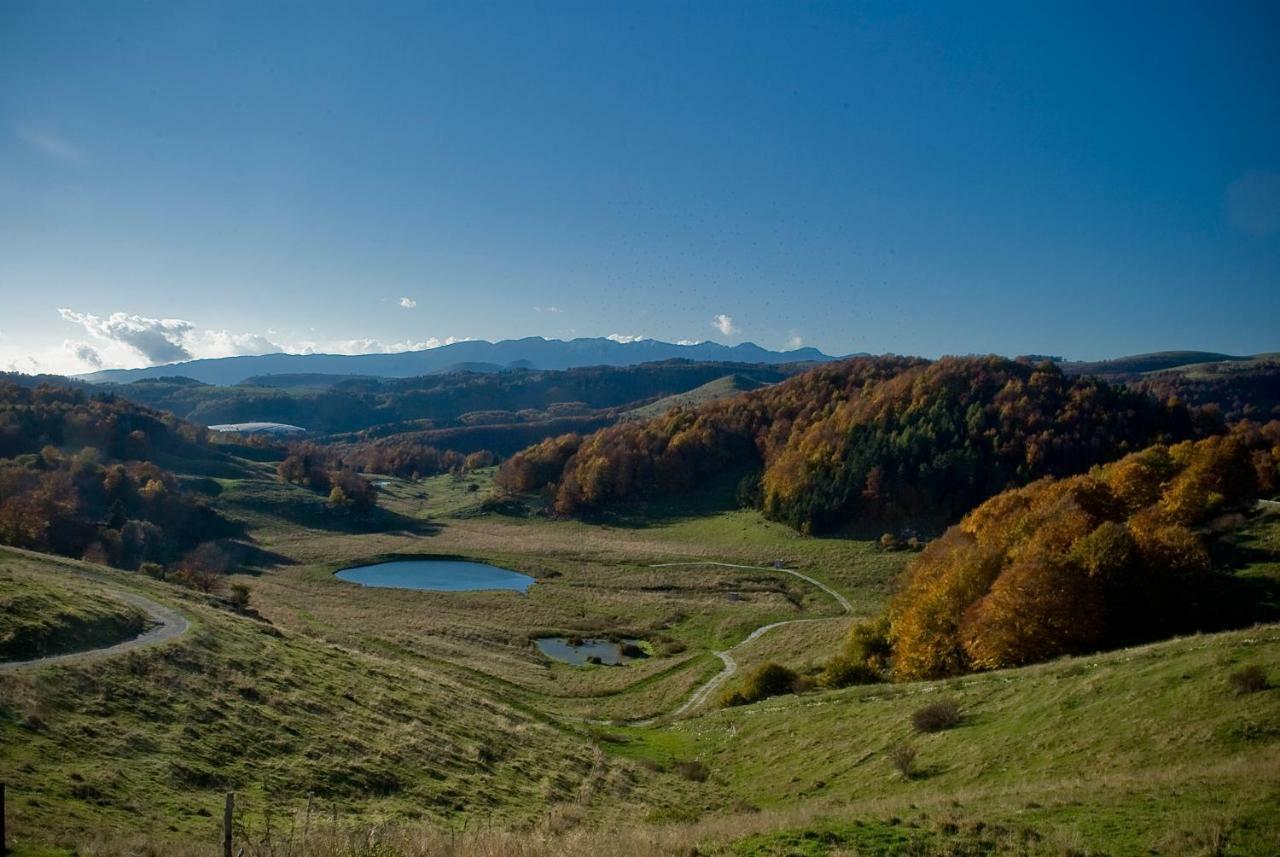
point(720, 388)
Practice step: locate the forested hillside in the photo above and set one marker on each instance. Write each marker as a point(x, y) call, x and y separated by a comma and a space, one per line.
point(1113, 557)
point(333, 404)
point(79, 477)
point(882, 437)
point(1239, 389)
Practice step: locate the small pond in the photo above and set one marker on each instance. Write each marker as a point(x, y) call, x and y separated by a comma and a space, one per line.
point(576, 651)
point(439, 575)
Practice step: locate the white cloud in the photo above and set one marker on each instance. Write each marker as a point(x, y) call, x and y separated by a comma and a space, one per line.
point(370, 345)
point(408, 303)
point(52, 145)
point(626, 337)
point(224, 343)
point(67, 358)
point(552, 309)
point(159, 340)
point(84, 353)
point(795, 342)
point(724, 324)
point(129, 340)
point(689, 341)
point(126, 341)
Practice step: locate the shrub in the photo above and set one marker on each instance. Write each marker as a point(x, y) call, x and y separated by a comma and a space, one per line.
point(936, 716)
point(1250, 679)
point(239, 596)
point(868, 642)
point(903, 758)
point(152, 569)
point(843, 671)
point(768, 679)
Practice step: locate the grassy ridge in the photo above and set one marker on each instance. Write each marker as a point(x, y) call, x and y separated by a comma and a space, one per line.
point(42, 616)
point(729, 385)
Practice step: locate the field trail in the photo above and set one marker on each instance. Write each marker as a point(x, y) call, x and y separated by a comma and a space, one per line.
point(169, 624)
point(703, 693)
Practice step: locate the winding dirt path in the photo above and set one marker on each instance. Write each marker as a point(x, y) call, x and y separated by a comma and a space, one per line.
point(703, 693)
point(170, 624)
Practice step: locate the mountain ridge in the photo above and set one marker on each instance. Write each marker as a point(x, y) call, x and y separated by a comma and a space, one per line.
point(529, 352)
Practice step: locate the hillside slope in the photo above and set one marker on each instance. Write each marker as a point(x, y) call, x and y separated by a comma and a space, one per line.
point(145, 744)
point(720, 388)
point(1139, 751)
point(865, 438)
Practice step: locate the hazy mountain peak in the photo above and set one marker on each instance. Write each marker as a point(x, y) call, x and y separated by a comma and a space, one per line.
point(532, 352)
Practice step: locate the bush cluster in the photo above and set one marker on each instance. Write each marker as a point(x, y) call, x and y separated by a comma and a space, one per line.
point(936, 716)
point(768, 679)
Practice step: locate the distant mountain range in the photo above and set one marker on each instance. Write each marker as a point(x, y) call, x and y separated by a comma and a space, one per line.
point(477, 355)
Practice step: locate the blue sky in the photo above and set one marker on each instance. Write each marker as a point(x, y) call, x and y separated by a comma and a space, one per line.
point(216, 178)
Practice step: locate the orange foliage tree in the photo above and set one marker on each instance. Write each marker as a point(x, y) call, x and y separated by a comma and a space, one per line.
point(1061, 566)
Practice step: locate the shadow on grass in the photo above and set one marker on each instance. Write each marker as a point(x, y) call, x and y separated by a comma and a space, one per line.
point(248, 558)
point(716, 495)
point(291, 504)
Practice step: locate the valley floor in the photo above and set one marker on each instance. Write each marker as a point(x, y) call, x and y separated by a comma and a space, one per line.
point(432, 720)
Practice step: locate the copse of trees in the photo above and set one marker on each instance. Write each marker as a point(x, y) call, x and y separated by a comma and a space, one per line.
point(885, 437)
point(407, 457)
point(1109, 558)
point(538, 466)
point(320, 469)
point(333, 470)
point(75, 479)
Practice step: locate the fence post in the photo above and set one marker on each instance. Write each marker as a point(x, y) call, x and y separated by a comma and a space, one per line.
point(227, 813)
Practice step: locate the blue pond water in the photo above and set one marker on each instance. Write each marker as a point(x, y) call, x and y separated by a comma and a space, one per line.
point(440, 575)
point(560, 649)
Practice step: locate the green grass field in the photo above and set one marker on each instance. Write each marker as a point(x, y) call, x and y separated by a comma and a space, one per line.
point(41, 614)
point(420, 714)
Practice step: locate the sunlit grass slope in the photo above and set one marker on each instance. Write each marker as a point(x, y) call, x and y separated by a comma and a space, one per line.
point(1145, 750)
point(145, 744)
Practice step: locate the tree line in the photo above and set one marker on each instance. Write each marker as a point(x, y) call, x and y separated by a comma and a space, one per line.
point(880, 438)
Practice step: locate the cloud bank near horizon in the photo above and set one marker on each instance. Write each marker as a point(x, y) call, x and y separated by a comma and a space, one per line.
point(121, 340)
point(128, 341)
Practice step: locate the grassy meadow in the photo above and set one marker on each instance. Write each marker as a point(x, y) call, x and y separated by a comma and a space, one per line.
point(380, 723)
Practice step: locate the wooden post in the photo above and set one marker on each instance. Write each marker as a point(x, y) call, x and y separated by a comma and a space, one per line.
point(306, 825)
point(227, 813)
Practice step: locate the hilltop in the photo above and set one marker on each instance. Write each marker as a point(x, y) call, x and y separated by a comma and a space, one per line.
point(867, 438)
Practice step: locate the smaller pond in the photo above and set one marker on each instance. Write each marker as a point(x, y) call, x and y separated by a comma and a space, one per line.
point(438, 575)
point(578, 651)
